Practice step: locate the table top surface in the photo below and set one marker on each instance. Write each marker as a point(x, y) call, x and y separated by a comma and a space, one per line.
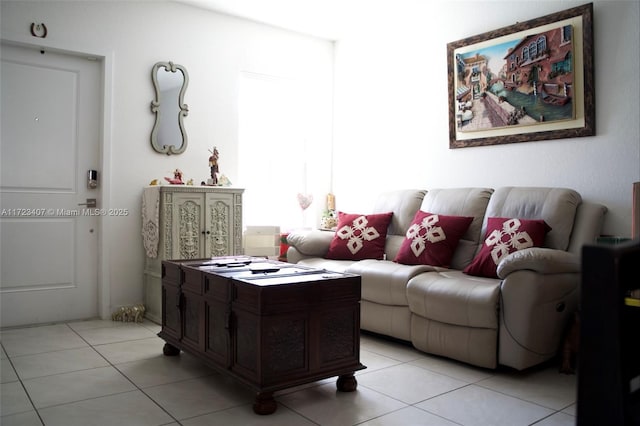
point(261, 271)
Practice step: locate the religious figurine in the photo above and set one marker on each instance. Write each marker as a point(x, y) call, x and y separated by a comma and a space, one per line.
point(177, 178)
point(213, 165)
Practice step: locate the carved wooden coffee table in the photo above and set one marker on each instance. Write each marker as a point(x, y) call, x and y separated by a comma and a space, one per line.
point(271, 325)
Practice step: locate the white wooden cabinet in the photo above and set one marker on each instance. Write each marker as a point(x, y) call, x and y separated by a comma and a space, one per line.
point(194, 222)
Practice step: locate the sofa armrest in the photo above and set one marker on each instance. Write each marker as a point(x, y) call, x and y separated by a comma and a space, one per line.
point(541, 260)
point(311, 243)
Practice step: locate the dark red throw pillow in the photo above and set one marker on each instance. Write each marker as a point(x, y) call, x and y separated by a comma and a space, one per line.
point(505, 236)
point(359, 236)
point(432, 239)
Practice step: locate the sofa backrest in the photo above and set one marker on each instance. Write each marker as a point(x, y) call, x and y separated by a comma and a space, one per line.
point(404, 204)
point(470, 202)
point(587, 227)
point(556, 206)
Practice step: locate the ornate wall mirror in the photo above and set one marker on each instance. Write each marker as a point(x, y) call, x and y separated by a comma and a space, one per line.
point(170, 83)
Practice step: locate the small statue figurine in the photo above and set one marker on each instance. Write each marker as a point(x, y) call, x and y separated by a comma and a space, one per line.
point(133, 313)
point(177, 178)
point(213, 165)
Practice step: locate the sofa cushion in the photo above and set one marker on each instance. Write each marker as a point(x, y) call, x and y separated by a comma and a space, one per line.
point(310, 242)
point(452, 297)
point(556, 206)
point(432, 239)
point(470, 202)
point(505, 236)
point(327, 264)
point(403, 204)
point(385, 282)
point(359, 236)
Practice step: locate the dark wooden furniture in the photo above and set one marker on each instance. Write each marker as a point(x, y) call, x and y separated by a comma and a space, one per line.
point(609, 356)
point(271, 325)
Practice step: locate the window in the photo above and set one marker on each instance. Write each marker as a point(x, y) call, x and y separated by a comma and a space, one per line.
point(525, 54)
point(533, 50)
point(566, 33)
point(542, 44)
point(564, 66)
point(271, 162)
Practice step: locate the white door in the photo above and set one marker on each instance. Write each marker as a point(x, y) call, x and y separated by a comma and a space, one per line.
point(50, 127)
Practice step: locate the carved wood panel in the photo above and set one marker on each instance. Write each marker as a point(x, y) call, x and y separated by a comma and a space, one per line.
point(284, 348)
point(338, 335)
point(190, 215)
point(219, 226)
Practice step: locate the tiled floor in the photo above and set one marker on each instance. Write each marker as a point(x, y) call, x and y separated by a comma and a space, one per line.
point(112, 373)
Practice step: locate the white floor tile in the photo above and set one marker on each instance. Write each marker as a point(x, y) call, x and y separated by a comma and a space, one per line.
point(546, 387)
point(128, 331)
point(572, 410)
point(133, 350)
point(151, 326)
point(374, 361)
point(50, 363)
point(100, 323)
point(200, 396)
point(130, 408)
point(389, 348)
point(244, 416)
point(7, 373)
point(408, 383)
point(28, 418)
point(327, 406)
point(475, 405)
point(76, 386)
point(13, 399)
point(113, 373)
point(458, 370)
point(558, 419)
point(34, 340)
point(162, 370)
point(409, 416)
point(95, 323)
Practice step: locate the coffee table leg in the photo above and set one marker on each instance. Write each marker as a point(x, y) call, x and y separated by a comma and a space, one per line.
point(170, 350)
point(264, 403)
point(347, 383)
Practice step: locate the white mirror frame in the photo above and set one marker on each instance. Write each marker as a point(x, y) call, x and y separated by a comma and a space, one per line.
point(155, 108)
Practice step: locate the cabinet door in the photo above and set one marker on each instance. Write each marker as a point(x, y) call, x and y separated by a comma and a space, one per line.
point(218, 339)
point(217, 292)
point(219, 224)
point(192, 320)
point(188, 225)
point(171, 319)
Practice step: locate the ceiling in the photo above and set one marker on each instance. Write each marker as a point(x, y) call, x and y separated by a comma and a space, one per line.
point(328, 19)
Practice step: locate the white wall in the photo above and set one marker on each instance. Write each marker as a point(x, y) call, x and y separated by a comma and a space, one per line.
point(214, 48)
point(391, 119)
point(391, 116)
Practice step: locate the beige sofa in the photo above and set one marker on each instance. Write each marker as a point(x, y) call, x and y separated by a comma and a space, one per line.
point(516, 320)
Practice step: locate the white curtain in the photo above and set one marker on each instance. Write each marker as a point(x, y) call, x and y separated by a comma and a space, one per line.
point(272, 153)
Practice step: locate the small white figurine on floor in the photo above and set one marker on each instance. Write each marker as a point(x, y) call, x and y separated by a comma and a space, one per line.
point(133, 313)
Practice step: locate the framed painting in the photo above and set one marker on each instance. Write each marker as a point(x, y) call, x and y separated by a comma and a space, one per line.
point(527, 82)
